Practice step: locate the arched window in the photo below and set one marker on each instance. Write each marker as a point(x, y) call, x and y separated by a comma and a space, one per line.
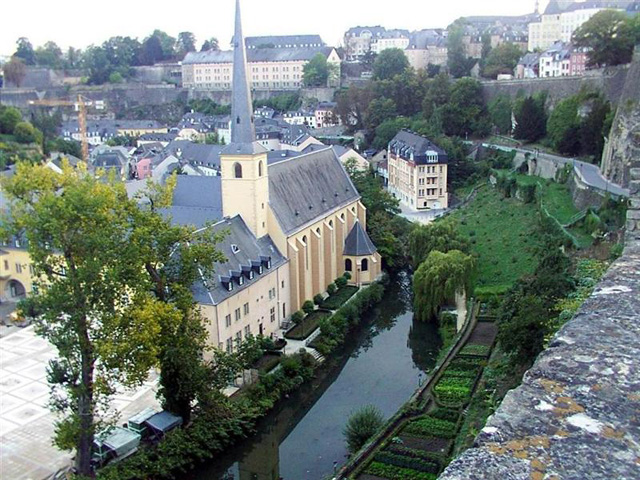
point(318, 231)
point(306, 252)
point(237, 170)
point(260, 168)
point(365, 265)
point(342, 217)
point(348, 265)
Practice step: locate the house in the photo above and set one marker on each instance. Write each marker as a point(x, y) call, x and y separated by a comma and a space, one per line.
point(528, 66)
point(358, 41)
point(264, 112)
point(427, 47)
point(418, 172)
point(300, 117)
point(556, 61)
point(56, 159)
point(294, 223)
point(325, 115)
point(390, 39)
point(163, 139)
point(345, 154)
point(136, 128)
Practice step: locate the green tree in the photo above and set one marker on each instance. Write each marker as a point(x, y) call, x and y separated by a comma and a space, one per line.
point(610, 36)
point(501, 111)
point(363, 424)
point(380, 109)
point(151, 51)
point(308, 307)
point(389, 63)
point(563, 126)
point(352, 105)
point(210, 44)
point(316, 71)
point(465, 114)
point(26, 133)
point(389, 129)
point(185, 43)
point(15, 71)
point(438, 94)
point(25, 51)
point(96, 307)
point(459, 63)
point(438, 279)
point(442, 236)
point(167, 43)
point(9, 118)
point(531, 120)
point(595, 127)
point(502, 59)
point(49, 55)
point(47, 123)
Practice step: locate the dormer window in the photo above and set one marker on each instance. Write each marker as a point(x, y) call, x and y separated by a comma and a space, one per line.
point(229, 286)
point(240, 280)
point(235, 249)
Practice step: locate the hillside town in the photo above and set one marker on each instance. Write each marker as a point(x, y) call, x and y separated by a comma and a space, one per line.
point(412, 254)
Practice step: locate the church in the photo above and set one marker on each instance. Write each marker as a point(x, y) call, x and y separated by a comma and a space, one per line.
point(293, 225)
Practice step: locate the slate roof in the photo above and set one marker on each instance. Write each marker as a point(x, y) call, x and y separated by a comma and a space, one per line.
point(280, 155)
point(375, 31)
point(195, 153)
point(158, 137)
point(530, 60)
point(407, 143)
point(427, 38)
point(196, 201)
point(304, 188)
point(358, 243)
point(257, 55)
point(281, 41)
point(250, 252)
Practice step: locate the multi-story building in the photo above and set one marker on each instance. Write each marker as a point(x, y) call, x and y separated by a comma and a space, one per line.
point(562, 18)
point(390, 39)
point(418, 172)
point(100, 131)
point(427, 47)
point(528, 66)
point(300, 117)
point(325, 114)
point(556, 61)
point(16, 270)
point(578, 61)
point(358, 41)
point(269, 68)
point(284, 41)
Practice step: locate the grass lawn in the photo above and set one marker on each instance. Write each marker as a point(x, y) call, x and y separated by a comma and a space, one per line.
point(502, 233)
point(335, 301)
point(307, 326)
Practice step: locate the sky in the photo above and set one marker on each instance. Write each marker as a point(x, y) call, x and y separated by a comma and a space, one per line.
point(80, 23)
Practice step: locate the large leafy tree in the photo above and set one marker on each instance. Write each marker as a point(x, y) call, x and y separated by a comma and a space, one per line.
point(459, 63)
point(502, 59)
point(389, 63)
point(610, 36)
point(25, 51)
point(501, 111)
point(531, 119)
point(210, 44)
point(352, 105)
point(438, 279)
point(49, 55)
point(380, 109)
point(95, 305)
point(466, 113)
point(316, 71)
point(442, 236)
point(15, 71)
point(185, 43)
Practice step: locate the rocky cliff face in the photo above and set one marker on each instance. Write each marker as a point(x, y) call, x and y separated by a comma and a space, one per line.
point(623, 146)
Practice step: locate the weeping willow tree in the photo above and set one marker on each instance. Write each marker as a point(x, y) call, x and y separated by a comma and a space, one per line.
point(438, 279)
point(442, 236)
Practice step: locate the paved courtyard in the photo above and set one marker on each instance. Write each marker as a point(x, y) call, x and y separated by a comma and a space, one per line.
point(26, 424)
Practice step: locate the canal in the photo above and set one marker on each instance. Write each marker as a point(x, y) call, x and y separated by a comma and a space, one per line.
point(381, 364)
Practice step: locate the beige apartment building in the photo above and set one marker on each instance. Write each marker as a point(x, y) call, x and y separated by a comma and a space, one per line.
point(16, 270)
point(418, 172)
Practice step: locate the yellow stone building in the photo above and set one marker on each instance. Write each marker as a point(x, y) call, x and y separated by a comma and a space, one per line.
point(15, 271)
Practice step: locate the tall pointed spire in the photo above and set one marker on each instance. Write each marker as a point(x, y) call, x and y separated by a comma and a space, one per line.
point(242, 127)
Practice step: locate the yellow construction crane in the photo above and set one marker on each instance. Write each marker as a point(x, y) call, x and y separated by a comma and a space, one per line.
point(80, 105)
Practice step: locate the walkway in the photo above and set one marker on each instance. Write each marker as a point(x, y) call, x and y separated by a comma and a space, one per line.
point(588, 173)
point(26, 424)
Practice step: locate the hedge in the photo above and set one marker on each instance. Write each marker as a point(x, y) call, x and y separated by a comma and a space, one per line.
point(397, 473)
point(432, 457)
point(407, 462)
point(338, 299)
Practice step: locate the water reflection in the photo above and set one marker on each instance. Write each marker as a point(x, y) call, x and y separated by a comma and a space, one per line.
point(302, 439)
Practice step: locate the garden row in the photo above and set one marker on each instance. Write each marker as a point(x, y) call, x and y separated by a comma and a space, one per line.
point(307, 320)
point(422, 447)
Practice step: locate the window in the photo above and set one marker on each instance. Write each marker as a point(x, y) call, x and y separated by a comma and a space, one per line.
point(348, 265)
point(227, 320)
point(284, 310)
point(365, 265)
point(282, 283)
point(237, 170)
point(6, 264)
point(238, 316)
point(246, 308)
point(272, 293)
point(238, 338)
point(229, 345)
point(247, 331)
point(260, 171)
point(18, 268)
point(272, 314)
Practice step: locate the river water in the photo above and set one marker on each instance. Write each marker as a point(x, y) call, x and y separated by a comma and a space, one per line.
point(381, 364)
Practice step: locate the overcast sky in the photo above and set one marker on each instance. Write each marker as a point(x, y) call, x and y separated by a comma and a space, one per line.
point(80, 23)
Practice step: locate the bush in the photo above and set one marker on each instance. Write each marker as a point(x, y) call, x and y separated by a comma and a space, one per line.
point(341, 282)
point(297, 317)
point(347, 275)
point(318, 299)
point(25, 133)
point(308, 307)
point(361, 426)
point(331, 288)
point(9, 118)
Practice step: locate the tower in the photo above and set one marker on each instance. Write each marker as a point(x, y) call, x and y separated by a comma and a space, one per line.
point(245, 179)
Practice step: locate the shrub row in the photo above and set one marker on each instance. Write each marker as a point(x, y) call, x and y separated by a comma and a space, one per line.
point(214, 429)
point(476, 350)
point(336, 300)
point(431, 427)
point(334, 329)
point(445, 414)
point(407, 462)
point(397, 473)
point(414, 453)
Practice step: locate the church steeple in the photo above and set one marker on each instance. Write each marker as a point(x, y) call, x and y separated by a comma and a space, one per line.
point(242, 123)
